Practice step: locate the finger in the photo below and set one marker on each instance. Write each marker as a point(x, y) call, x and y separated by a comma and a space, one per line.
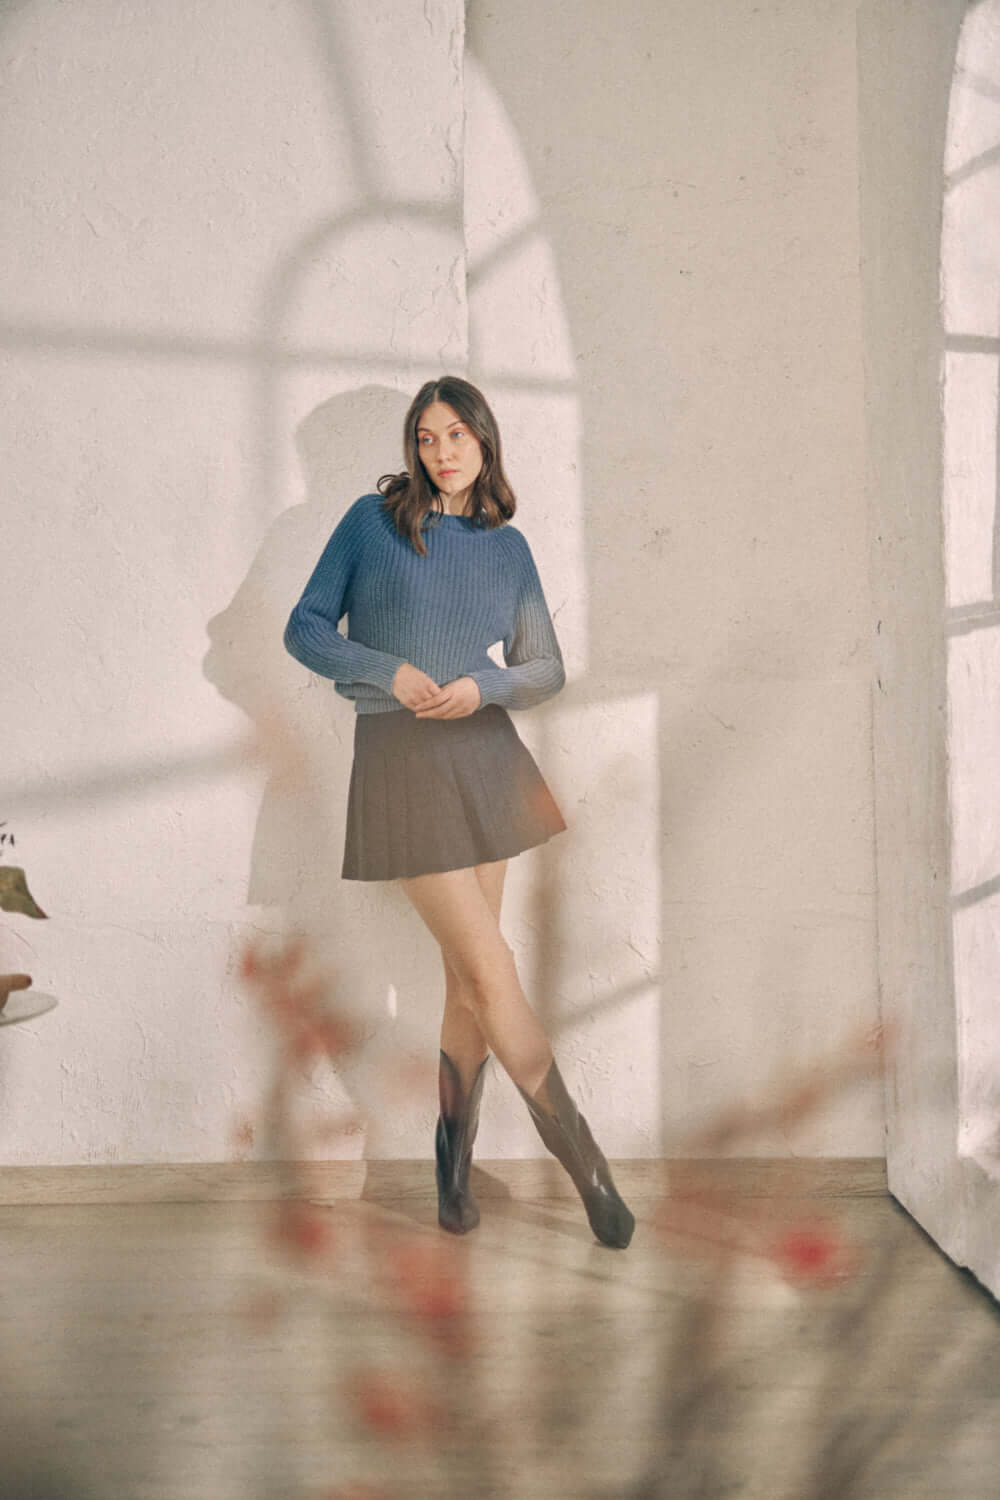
point(436, 711)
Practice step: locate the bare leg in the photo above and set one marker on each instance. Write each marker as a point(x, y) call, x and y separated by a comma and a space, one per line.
point(461, 1037)
point(483, 980)
point(460, 915)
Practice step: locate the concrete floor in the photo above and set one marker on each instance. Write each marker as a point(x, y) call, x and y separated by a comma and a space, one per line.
point(174, 1352)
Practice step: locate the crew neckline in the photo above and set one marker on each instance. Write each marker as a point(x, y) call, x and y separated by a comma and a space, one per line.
point(436, 517)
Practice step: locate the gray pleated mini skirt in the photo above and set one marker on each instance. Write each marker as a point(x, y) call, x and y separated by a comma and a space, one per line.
point(428, 795)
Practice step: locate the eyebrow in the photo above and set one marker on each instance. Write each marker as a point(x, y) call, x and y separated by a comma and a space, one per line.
point(458, 423)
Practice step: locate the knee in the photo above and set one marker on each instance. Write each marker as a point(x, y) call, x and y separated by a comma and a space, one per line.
point(481, 976)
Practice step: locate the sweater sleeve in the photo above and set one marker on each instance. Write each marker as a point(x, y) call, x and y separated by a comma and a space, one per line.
point(534, 669)
point(311, 635)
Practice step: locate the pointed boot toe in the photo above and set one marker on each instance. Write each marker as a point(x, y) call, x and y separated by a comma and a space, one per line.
point(567, 1135)
point(612, 1222)
point(458, 1212)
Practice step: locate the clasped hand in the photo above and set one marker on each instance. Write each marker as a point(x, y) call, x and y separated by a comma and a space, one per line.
point(417, 691)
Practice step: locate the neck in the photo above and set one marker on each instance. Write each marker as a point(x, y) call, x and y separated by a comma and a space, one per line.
point(455, 505)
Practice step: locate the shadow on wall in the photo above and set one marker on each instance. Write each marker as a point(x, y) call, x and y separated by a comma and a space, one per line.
point(334, 304)
point(723, 516)
point(366, 935)
point(294, 846)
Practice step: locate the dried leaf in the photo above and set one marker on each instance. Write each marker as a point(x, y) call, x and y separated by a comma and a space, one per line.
point(14, 893)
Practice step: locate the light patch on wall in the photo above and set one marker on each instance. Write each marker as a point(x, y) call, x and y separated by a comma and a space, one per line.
point(521, 352)
point(501, 205)
point(517, 317)
point(970, 296)
point(970, 475)
point(381, 289)
point(392, 1002)
point(598, 751)
point(533, 341)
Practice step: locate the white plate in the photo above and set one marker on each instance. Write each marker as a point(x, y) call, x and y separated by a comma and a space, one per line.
point(25, 1005)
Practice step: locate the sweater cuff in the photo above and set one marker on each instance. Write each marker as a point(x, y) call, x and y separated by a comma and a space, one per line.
point(491, 685)
point(382, 672)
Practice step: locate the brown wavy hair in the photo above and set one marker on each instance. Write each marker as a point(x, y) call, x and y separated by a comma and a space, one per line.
point(411, 496)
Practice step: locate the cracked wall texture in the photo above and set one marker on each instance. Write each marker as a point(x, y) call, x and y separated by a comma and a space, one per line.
point(238, 236)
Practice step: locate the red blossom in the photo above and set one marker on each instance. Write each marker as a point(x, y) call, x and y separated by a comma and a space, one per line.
point(338, 1035)
point(802, 1101)
point(392, 1408)
point(304, 1230)
point(297, 1003)
point(812, 1254)
point(427, 1280)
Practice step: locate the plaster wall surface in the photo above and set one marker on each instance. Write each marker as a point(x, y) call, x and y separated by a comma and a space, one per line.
point(931, 353)
point(695, 171)
point(239, 238)
point(905, 69)
point(970, 257)
point(230, 257)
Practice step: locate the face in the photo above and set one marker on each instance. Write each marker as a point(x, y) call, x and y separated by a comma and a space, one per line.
point(449, 450)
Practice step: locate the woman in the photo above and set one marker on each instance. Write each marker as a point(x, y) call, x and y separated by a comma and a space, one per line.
point(430, 574)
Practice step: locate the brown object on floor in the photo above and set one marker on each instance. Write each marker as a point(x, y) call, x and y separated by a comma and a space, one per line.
point(9, 982)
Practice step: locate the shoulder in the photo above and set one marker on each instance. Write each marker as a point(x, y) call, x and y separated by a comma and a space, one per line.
point(512, 540)
point(516, 548)
point(367, 508)
point(364, 518)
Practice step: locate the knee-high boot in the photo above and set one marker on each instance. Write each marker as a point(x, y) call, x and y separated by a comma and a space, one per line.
point(456, 1132)
point(567, 1135)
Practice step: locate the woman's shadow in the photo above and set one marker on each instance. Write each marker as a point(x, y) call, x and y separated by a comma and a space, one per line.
point(385, 968)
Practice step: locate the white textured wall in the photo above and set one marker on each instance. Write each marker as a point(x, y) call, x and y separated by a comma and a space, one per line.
point(905, 71)
point(695, 173)
point(970, 284)
point(929, 198)
point(235, 234)
point(229, 257)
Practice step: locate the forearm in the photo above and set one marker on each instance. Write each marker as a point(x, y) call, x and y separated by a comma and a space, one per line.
point(525, 685)
point(322, 648)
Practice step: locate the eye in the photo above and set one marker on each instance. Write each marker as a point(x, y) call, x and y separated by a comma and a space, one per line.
point(459, 432)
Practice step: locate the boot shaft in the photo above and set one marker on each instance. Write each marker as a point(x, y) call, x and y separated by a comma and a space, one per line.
point(565, 1133)
point(457, 1126)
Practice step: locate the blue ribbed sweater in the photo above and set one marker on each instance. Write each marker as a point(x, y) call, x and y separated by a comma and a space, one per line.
point(440, 613)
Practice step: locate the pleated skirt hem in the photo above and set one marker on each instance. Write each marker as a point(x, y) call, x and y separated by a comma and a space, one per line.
point(429, 795)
